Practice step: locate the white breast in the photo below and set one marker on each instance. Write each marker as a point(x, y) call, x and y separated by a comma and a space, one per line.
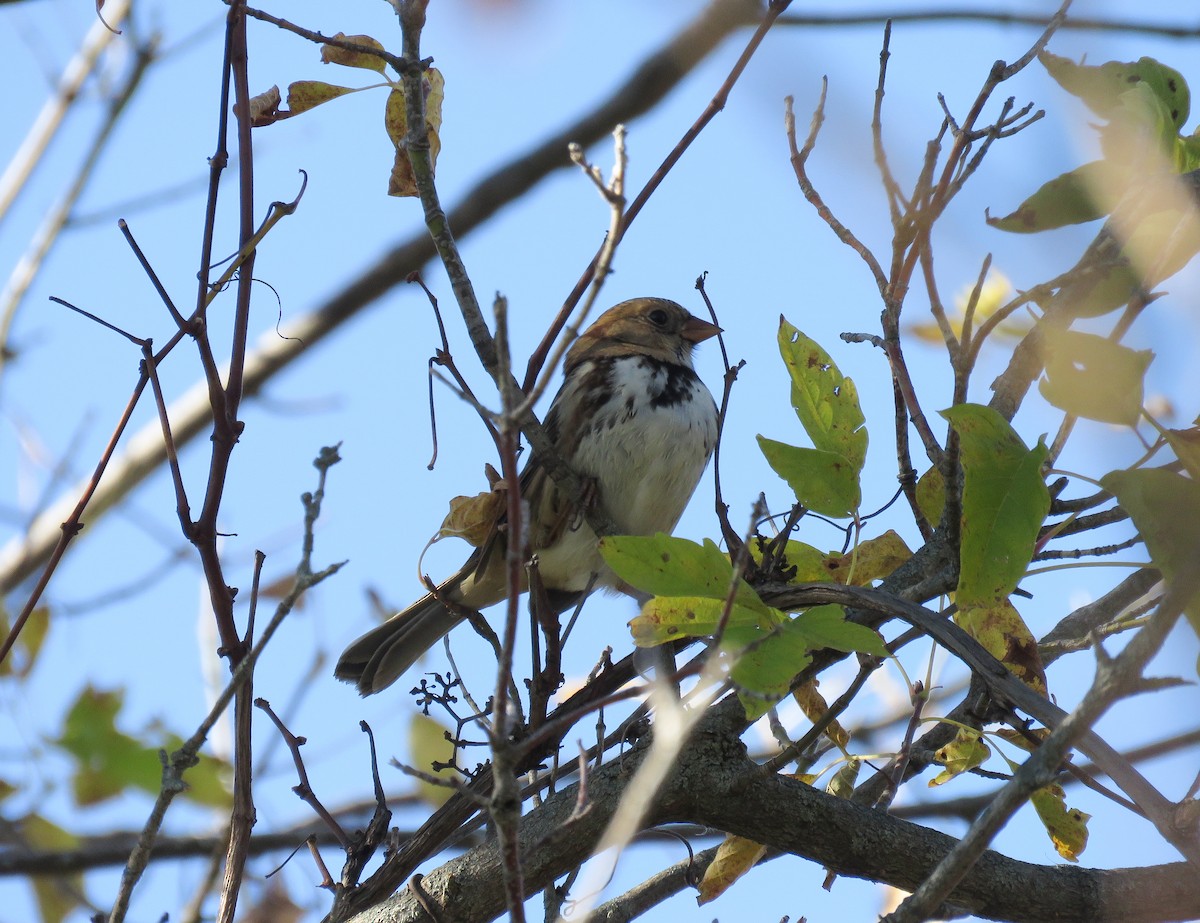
point(650, 438)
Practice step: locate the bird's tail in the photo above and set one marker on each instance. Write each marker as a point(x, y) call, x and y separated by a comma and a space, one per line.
point(383, 654)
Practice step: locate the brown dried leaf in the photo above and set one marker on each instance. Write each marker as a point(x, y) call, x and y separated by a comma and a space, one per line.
point(264, 108)
point(279, 588)
point(473, 519)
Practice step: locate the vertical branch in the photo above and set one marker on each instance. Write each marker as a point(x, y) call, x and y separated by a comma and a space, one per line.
point(226, 429)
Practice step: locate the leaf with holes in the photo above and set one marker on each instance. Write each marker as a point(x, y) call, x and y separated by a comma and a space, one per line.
point(1091, 376)
point(825, 401)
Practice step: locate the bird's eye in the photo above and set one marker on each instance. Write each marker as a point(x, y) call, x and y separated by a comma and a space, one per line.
point(659, 317)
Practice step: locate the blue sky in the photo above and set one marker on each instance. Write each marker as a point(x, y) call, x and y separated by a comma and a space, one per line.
point(514, 72)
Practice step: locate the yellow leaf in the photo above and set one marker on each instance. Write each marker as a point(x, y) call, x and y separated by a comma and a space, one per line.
point(57, 896)
point(307, 94)
point(994, 292)
point(1021, 740)
point(428, 744)
point(1067, 826)
point(667, 618)
point(1002, 631)
point(332, 54)
point(735, 857)
point(402, 181)
point(814, 706)
point(964, 753)
point(872, 560)
point(993, 295)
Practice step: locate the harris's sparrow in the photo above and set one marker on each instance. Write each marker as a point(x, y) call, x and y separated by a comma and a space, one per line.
point(635, 422)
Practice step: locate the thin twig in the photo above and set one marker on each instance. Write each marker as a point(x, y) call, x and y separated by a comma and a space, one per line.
point(182, 759)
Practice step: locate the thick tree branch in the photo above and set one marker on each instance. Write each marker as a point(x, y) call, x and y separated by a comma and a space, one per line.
point(716, 784)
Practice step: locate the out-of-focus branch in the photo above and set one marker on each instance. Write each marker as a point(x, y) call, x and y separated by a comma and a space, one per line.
point(56, 219)
point(189, 414)
point(996, 17)
point(29, 154)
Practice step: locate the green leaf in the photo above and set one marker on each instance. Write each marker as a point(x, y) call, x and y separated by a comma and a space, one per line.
point(765, 664)
point(667, 566)
point(1140, 133)
point(826, 627)
point(825, 482)
point(1100, 86)
point(824, 478)
point(207, 780)
point(110, 761)
point(1096, 288)
point(1005, 502)
point(1165, 507)
point(825, 401)
point(666, 618)
point(1069, 198)
point(931, 495)
point(1186, 445)
point(1091, 376)
point(1187, 153)
point(809, 562)
point(842, 783)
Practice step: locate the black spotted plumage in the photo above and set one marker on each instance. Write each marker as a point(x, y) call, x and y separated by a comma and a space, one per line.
point(635, 422)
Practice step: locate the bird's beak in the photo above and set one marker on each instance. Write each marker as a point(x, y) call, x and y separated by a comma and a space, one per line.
point(696, 330)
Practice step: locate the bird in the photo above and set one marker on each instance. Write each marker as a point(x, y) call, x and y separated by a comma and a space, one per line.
point(635, 422)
